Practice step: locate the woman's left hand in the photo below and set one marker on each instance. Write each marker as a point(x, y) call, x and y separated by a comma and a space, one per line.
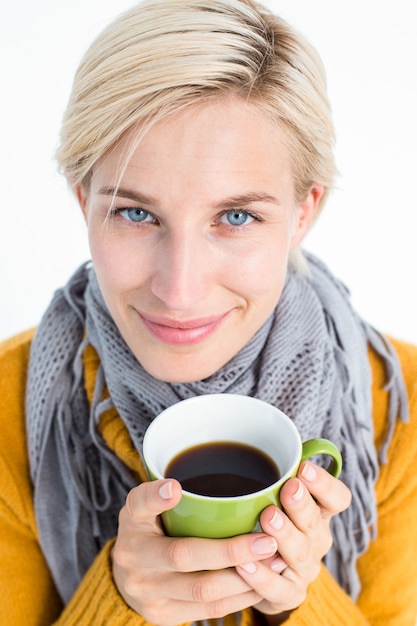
point(302, 531)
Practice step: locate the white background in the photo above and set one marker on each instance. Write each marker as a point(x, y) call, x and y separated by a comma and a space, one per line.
point(366, 233)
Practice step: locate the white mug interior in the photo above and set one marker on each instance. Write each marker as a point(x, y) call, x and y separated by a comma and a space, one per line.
point(222, 417)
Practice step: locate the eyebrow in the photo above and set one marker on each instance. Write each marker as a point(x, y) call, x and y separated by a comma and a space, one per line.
point(232, 202)
point(126, 193)
point(247, 198)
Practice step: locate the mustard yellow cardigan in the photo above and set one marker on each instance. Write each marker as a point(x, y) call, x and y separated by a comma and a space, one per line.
point(388, 570)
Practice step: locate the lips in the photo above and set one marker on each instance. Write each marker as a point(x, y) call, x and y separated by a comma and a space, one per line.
point(181, 332)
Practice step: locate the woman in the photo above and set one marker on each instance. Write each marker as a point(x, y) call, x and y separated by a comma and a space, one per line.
point(198, 140)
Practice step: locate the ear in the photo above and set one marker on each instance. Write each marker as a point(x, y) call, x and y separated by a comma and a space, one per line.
point(306, 211)
point(82, 197)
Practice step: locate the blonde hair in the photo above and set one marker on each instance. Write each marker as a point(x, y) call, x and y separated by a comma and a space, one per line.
point(162, 56)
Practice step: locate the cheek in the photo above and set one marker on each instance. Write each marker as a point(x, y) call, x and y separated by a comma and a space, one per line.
point(117, 266)
point(103, 257)
point(262, 270)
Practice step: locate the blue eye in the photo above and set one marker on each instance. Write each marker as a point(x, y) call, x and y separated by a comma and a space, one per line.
point(237, 218)
point(136, 215)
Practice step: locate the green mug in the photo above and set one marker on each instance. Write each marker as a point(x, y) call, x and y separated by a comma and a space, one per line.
point(227, 419)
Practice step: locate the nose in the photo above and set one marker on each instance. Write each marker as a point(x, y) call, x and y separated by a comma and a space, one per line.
point(184, 270)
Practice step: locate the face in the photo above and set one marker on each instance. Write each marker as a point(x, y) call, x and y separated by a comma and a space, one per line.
point(191, 242)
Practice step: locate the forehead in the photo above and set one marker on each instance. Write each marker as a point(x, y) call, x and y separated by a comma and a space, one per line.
point(205, 145)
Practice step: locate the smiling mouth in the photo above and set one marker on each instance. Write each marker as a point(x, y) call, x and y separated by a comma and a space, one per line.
point(177, 332)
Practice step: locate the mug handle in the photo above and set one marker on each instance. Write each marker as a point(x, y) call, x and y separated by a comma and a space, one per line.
point(323, 446)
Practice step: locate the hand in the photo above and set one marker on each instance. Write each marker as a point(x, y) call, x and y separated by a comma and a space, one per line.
point(303, 536)
point(170, 580)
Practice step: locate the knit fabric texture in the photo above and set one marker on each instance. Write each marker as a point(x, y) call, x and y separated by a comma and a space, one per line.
point(309, 359)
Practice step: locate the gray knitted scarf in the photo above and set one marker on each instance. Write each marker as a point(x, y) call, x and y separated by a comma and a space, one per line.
point(309, 359)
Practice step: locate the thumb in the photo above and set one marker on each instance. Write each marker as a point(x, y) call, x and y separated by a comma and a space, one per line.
point(150, 499)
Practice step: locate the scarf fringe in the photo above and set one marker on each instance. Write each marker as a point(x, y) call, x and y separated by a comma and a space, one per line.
point(398, 401)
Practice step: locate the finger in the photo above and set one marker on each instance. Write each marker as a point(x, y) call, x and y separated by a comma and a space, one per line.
point(164, 614)
point(192, 554)
point(299, 506)
point(203, 587)
point(295, 545)
point(278, 593)
point(152, 498)
point(330, 493)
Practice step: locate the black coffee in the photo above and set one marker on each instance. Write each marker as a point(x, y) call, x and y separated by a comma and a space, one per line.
point(223, 469)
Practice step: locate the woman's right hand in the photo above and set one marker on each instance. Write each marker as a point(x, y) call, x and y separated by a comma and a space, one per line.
point(171, 580)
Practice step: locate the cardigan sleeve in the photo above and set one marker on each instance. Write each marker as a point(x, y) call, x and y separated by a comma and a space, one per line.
point(388, 570)
point(28, 594)
point(97, 600)
point(25, 581)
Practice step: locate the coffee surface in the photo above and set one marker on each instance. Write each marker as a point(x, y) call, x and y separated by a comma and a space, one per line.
point(223, 469)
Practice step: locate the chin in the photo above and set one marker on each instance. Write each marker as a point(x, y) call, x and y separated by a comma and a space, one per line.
point(182, 369)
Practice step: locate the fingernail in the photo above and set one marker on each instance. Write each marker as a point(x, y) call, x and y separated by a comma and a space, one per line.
point(249, 568)
point(265, 545)
point(277, 521)
point(299, 493)
point(308, 472)
point(278, 565)
point(165, 491)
